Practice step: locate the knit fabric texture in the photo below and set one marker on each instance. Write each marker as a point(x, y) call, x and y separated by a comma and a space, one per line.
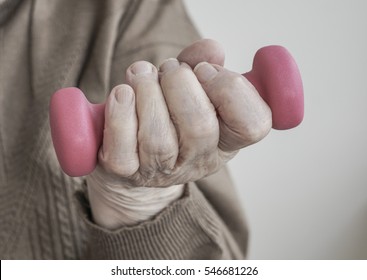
point(44, 214)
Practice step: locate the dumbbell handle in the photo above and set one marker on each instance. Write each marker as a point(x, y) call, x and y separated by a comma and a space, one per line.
point(77, 125)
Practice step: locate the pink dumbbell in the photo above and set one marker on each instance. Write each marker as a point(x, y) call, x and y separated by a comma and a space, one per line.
point(77, 125)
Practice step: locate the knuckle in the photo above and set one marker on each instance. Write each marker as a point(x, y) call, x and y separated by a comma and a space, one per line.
point(255, 131)
point(154, 145)
point(181, 72)
point(236, 81)
point(201, 131)
point(162, 153)
point(167, 162)
point(205, 129)
point(230, 82)
point(147, 173)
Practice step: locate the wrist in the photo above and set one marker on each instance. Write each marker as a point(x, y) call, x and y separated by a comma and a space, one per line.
point(114, 204)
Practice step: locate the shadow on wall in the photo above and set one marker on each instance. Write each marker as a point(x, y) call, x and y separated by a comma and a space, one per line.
point(352, 247)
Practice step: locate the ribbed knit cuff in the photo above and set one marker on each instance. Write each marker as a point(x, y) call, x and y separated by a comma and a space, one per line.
point(187, 229)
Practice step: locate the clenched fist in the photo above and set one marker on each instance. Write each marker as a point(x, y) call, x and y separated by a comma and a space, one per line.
point(170, 126)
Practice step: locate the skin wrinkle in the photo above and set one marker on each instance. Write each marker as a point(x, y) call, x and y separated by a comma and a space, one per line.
point(156, 134)
point(197, 124)
point(235, 131)
point(206, 122)
point(130, 206)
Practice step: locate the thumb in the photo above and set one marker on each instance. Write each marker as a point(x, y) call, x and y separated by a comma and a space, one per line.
point(203, 50)
point(244, 117)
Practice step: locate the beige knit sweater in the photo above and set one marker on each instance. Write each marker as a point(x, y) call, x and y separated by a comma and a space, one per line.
point(49, 44)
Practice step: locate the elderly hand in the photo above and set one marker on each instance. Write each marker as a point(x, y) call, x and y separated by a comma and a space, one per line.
point(168, 127)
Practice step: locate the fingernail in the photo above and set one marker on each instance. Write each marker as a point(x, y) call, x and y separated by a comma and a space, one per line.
point(123, 94)
point(141, 68)
point(169, 64)
point(205, 72)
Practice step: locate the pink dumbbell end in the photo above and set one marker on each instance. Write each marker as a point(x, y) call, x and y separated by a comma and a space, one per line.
point(76, 130)
point(276, 77)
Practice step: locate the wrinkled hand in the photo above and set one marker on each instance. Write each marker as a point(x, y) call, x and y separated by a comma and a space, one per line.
point(177, 124)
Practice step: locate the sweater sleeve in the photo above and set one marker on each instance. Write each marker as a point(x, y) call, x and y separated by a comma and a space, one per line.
point(158, 30)
point(129, 31)
point(188, 229)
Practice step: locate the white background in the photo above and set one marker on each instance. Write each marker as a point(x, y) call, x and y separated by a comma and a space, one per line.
point(304, 190)
point(265, 269)
point(261, 269)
